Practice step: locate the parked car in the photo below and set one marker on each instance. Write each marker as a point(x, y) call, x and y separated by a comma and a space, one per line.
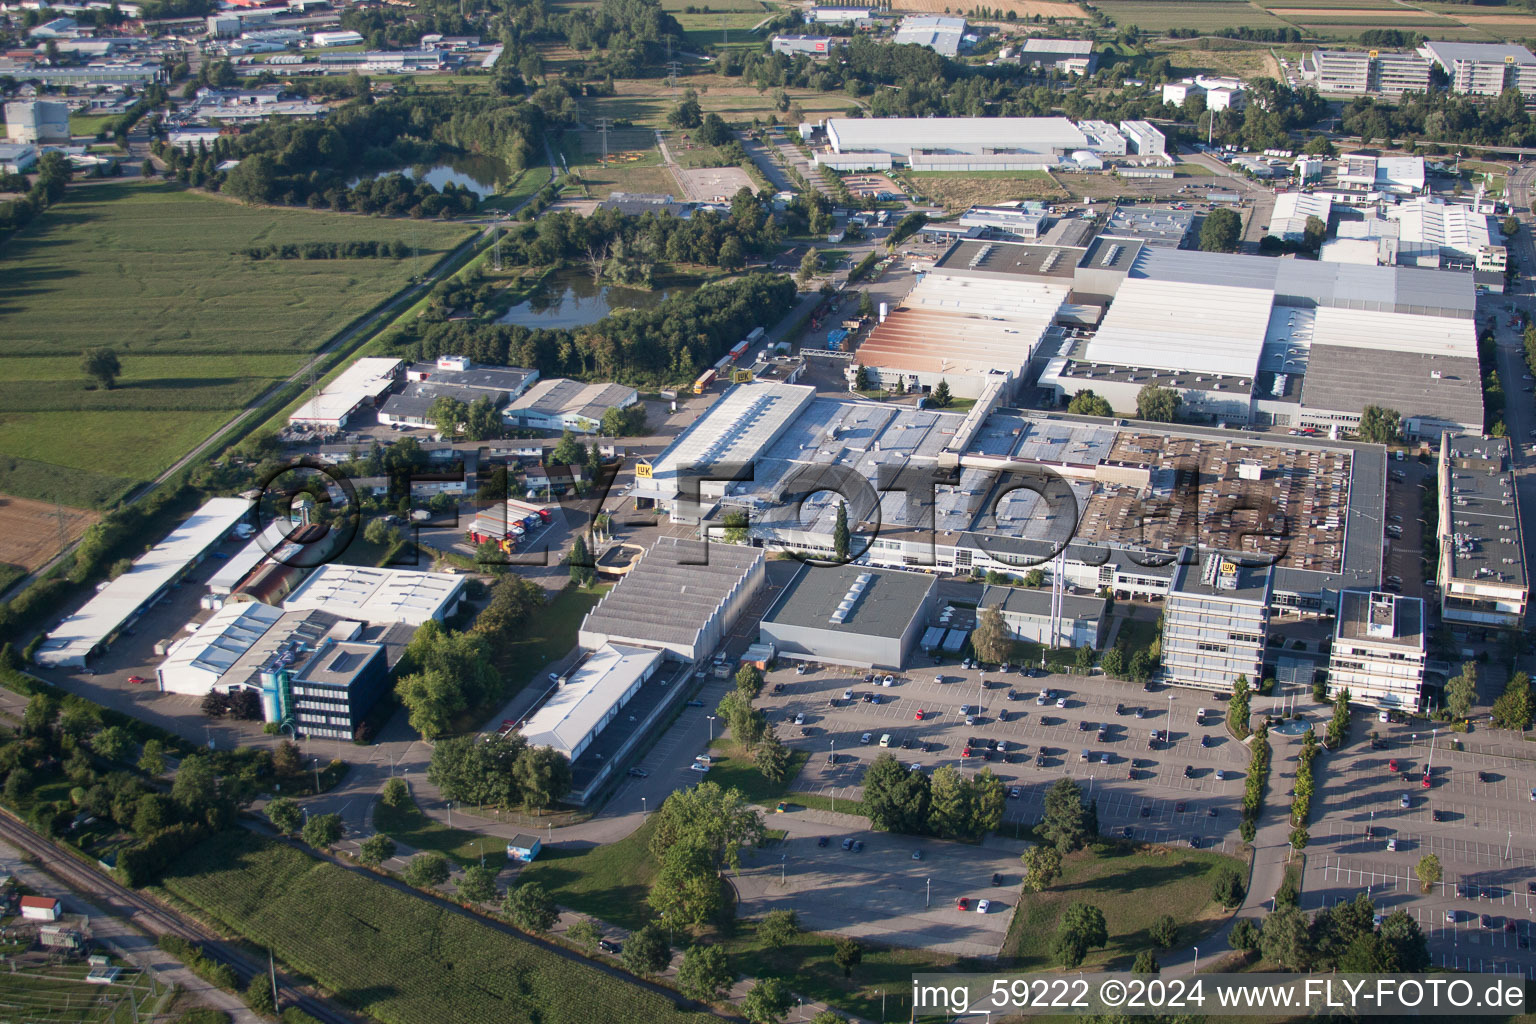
point(962, 904)
point(696, 766)
point(800, 718)
point(982, 906)
point(611, 948)
point(638, 773)
point(919, 716)
point(866, 738)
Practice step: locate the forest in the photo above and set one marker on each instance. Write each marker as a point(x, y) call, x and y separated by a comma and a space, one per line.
point(670, 343)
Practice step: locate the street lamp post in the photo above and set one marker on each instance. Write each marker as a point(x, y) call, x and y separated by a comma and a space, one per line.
point(450, 814)
point(1432, 734)
point(1197, 959)
point(928, 894)
point(643, 810)
point(711, 727)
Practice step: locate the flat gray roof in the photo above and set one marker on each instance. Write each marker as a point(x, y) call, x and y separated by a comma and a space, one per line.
point(883, 607)
point(1440, 388)
point(1359, 610)
point(1487, 545)
point(1030, 601)
point(672, 591)
point(1015, 259)
point(1252, 581)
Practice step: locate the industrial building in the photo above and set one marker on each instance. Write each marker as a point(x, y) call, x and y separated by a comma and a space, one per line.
point(1400, 175)
point(1360, 73)
point(850, 615)
point(1283, 342)
point(1215, 621)
point(1083, 619)
point(1143, 139)
point(1071, 56)
point(1481, 575)
point(1292, 210)
point(195, 664)
point(1484, 69)
point(37, 122)
point(1021, 223)
point(681, 597)
point(958, 143)
point(939, 33)
point(342, 38)
point(589, 697)
point(558, 404)
point(977, 317)
point(363, 383)
point(815, 46)
point(119, 602)
point(16, 158)
point(840, 15)
point(1151, 226)
point(1378, 650)
point(939, 498)
point(378, 596)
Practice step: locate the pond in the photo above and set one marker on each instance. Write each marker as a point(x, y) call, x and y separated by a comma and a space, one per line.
point(570, 298)
point(482, 175)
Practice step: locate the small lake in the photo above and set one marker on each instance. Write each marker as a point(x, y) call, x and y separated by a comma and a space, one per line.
point(569, 298)
point(482, 175)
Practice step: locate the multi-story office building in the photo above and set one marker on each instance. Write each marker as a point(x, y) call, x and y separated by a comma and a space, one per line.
point(1484, 69)
point(1214, 621)
point(1359, 73)
point(1378, 649)
point(1482, 575)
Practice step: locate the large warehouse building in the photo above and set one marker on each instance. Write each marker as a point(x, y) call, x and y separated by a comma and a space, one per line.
point(960, 143)
point(378, 596)
point(1484, 69)
point(850, 615)
point(1284, 342)
point(589, 697)
point(681, 597)
point(120, 602)
point(363, 383)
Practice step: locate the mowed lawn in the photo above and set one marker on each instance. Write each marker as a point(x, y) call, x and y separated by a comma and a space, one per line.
point(155, 272)
point(1133, 885)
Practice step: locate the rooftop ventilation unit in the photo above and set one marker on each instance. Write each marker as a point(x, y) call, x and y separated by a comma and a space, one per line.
point(1110, 255)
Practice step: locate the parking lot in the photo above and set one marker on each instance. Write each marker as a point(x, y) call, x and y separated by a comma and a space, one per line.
point(1163, 794)
point(1477, 817)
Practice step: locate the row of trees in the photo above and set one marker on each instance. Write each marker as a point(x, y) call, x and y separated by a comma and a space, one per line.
point(46, 189)
point(749, 726)
point(1301, 802)
point(499, 771)
point(671, 342)
point(1259, 754)
point(356, 250)
point(947, 805)
point(698, 832)
point(1337, 732)
point(1343, 937)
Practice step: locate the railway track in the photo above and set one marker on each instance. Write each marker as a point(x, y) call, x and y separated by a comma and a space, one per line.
point(154, 919)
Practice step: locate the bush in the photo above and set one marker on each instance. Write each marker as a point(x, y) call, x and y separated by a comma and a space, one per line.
point(1164, 932)
point(1228, 889)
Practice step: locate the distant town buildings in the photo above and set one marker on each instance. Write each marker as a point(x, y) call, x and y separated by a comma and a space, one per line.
point(941, 34)
point(1073, 56)
point(1219, 93)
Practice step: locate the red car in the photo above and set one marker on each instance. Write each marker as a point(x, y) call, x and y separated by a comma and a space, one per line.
point(137, 680)
point(1392, 765)
point(920, 714)
point(1426, 782)
point(962, 904)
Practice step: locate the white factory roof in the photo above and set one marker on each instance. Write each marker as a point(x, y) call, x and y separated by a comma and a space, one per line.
point(1037, 44)
point(580, 705)
point(1395, 332)
point(1032, 134)
point(1303, 204)
point(375, 595)
point(1214, 327)
point(247, 558)
point(1446, 225)
point(121, 599)
point(368, 378)
point(933, 31)
point(740, 424)
point(1447, 53)
point(218, 643)
point(1359, 251)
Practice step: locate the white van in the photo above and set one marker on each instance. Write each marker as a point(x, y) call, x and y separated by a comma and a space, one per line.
point(885, 740)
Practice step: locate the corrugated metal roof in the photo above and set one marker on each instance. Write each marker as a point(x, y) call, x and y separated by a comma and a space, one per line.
point(965, 134)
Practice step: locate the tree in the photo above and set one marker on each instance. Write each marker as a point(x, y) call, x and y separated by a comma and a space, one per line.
point(810, 266)
point(478, 884)
point(1084, 659)
point(102, 366)
point(580, 561)
point(567, 451)
point(1313, 233)
point(115, 743)
point(721, 821)
point(1034, 578)
point(847, 954)
point(1338, 724)
point(322, 831)
point(151, 758)
point(771, 757)
point(1158, 404)
point(686, 890)
point(991, 639)
point(482, 422)
point(1082, 928)
point(1042, 866)
point(941, 396)
point(196, 785)
point(1221, 232)
point(894, 798)
point(1514, 708)
point(395, 793)
point(1145, 963)
point(1428, 871)
point(1164, 931)
point(376, 849)
point(713, 131)
point(1319, 145)
point(1086, 403)
point(948, 807)
point(446, 414)
point(543, 776)
point(778, 928)
point(1112, 662)
point(585, 932)
point(1409, 947)
point(840, 536)
point(1240, 707)
point(747, 724)
point(1380, 425)
point(1284, 938)
point(1461, 690)
point(1244, 936)
point(427, 870)
point(686, 114)
point(736, 523)
point(704, 973)
point(749, 681)
point(767, 1002)
point(531, 907)
point(1065, 822)
point(646, 951)
point(1228, 889)
point(285, 815)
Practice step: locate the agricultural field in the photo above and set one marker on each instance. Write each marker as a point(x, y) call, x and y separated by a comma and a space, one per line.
point(154, 271)
point(32, 532)
point(1205, 15)
point(727, 23)
point(393, 955)
point(59, 994)
point(1023, 8)
point(1218, 56)
point(1164, 881)
point(960, 190)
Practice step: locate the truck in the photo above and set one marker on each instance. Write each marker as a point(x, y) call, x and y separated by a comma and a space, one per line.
point(704, 381)
point(754, 336)
point(737, 351)
point(526, 509)
point(835, 338)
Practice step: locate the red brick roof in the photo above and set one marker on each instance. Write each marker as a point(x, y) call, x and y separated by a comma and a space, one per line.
point(42, 902)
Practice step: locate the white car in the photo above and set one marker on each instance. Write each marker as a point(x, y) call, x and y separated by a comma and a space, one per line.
point(800, 718)
point(1220, 775)
point(1061, 702)
point(699, 767)
point(1382, 716)
point(847, 695)
point(1391, 845)
point(888, 681)
point(982, 906)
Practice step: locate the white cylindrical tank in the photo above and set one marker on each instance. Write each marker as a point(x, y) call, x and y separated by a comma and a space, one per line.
point(883, 310)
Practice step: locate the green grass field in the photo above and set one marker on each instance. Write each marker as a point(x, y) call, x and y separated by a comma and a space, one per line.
point(412, 828)
point(733, 769)
point(152, 271)
point(91, 124)
point(1133, 886)
point(1206, 15)
point(394, 955)
point(608, 882)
